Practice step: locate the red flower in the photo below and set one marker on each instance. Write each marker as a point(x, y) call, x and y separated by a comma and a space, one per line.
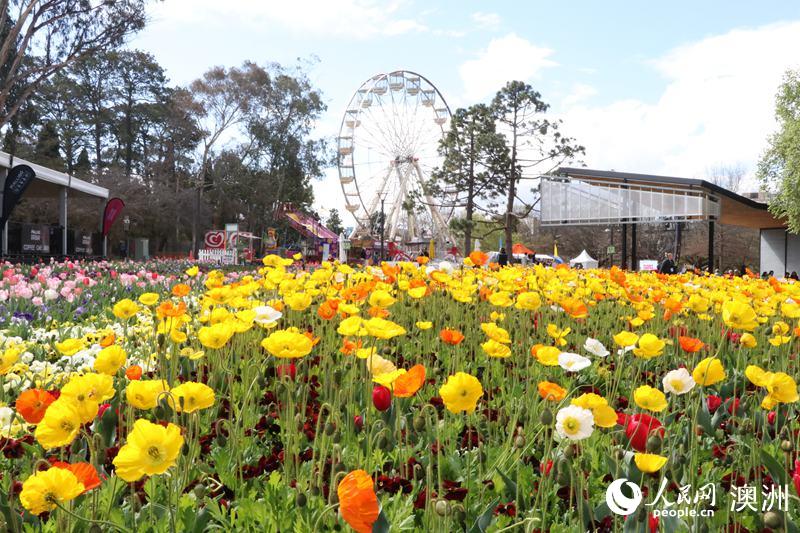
point(713, 403)
point(796, 476)
point(381, 397)
point(638, 428)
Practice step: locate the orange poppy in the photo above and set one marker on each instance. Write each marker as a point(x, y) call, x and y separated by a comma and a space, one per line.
point(690, 344)
point(85, 472)
point(169, 309)
point(133, 372)
point(310, 335)
point(327, 309)
point(657, 295)
point(574, 307)
point(32, 404)
point(478, 258)
point(414, 283)
point(451, 336)
point(359, 292)
point(671, 307)
point(409, 383)
point(422, 260)
point(348, 346)
point(635, 297)
point(108, 340)
point(390, 271)
point(617, 276)
point(357, 501)
point(180, 290)
point(551, 391)
point(378, 312)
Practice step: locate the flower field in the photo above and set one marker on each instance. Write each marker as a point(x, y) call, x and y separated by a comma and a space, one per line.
point(411, 397)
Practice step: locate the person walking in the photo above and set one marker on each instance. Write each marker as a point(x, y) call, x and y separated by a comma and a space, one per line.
point(667, 265)
point(502, 258)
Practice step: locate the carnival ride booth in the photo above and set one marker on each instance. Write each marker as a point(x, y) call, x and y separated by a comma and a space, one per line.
point(584, 261)
point(320, 243)
point(49, 213)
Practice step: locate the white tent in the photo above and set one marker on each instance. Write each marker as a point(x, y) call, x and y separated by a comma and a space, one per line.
point(585, 260)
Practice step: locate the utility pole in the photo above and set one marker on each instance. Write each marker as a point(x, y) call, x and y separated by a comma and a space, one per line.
point(383, 225)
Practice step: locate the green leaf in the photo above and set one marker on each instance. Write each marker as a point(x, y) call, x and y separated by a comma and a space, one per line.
point(381, 525)
point(775, 469)
point(482, 523)
point(704, 418)
point(510, 485)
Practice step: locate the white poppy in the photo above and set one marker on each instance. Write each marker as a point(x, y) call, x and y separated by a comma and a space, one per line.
point(572, 362)
point(266, 315)
point(595, 347)
point(574, 423)
point(678, 381)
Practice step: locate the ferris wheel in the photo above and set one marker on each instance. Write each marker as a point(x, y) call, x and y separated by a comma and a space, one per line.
point(387, 148)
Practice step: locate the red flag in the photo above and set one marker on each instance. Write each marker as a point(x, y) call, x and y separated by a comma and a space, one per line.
point(113, 209)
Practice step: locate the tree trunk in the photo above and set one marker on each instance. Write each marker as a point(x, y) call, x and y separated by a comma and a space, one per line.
point(470, 193)
point(512, 187)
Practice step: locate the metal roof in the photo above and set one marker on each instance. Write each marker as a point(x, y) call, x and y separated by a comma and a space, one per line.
point(55, 177)
point(737, 210)
point(654, 179)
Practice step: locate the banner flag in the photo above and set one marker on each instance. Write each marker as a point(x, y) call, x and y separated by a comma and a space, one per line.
point(113, 209)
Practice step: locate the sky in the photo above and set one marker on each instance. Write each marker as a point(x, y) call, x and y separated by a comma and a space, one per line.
point(673, 88)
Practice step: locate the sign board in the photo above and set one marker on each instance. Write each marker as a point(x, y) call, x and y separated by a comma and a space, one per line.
point(217, 256)
point(35, 239)
point(83, 243)
point(648, 265)
point(611, 249)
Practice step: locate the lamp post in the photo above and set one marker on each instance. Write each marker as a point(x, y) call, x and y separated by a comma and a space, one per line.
point(126, 226)
point(383, 225)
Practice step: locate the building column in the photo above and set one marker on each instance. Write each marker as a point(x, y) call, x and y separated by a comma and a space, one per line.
point(62, 217)
point(624, 251)
point(103, 238)
point(711, 246)
point(4, 229)
point(634, 253)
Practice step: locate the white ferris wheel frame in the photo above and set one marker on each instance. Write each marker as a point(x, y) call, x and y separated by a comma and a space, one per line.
point(405, 167)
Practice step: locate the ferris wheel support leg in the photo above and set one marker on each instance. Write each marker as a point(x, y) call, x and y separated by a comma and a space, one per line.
point(397, 205)
point(373, 206)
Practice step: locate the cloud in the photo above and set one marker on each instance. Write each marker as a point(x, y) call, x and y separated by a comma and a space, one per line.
point(505, 58)
point(716, 108)
point(355, 19)
point(580, 93)
point(489, 21)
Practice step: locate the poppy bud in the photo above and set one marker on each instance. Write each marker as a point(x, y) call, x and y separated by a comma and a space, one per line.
point(546, 418)
point(381, 398)
point(329, 429)
point(441, 507)
point(787, 446)
point(199, 491)
point(654, 443)
point(358, 420)
point(300, 500)
point(419, 423)
point(569, 452)
point(773, 520)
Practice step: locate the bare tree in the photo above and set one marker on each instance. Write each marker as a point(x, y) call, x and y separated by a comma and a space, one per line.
point(39, 38)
